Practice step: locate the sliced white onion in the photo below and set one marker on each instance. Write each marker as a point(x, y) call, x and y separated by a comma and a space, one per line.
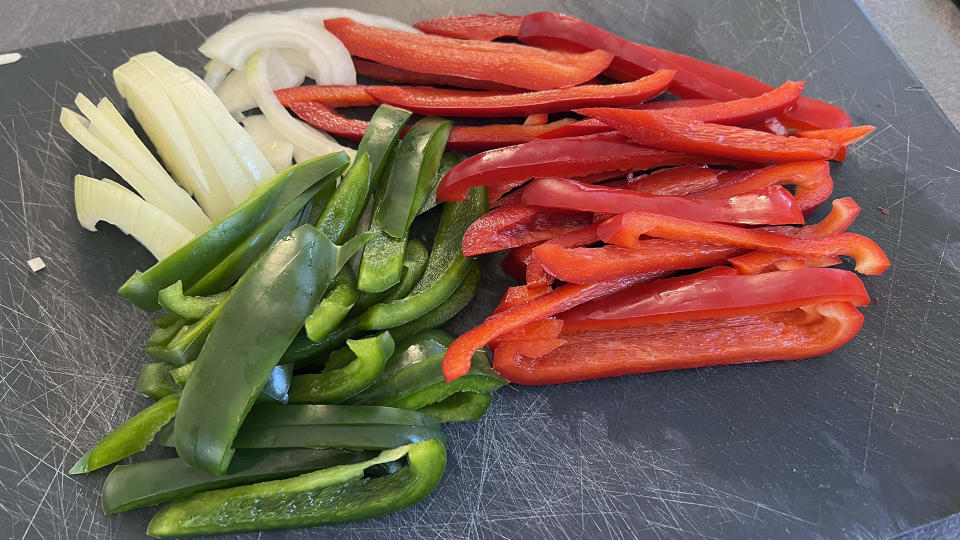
point(307, 141)
point(214, 72)
point(235, 43)
point(105, 200)
point(273, 145)
point(116, 152)
point(316, 15)
point(287, 69)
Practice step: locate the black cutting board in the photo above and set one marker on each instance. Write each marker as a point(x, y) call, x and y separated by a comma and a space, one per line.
point(860, 443)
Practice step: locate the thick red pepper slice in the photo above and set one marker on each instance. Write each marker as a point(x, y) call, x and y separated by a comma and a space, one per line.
point(793, 335)
point(680, 134)
point(537, 330)
point(716, 293)
point(331, 96)
point(515, 225)
point(571, 157)
point(461, 138)
point(520, 294)
point(456, 361)
point(505, 63)
point(771, 206)
point(515, 263)
point(695, 78)
point(811, 178)
point(675, 181)
point(536, 275)
point(843, 137)
point(624, 230)
point(431, 101)
point(480, 26)
point(392, 74)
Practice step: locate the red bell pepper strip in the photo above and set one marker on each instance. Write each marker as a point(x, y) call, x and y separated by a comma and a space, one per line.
point(624, 229)
point(331, 96)
point(516, 261)
point(480, 26)
point(809, 262)
point(533, 348)
point(536, 275)
point(775, 126)
point(515, 225)
point(456, 361)
point(431, 101)
point(505, 63)
point(520, 294)
point(461, 138)
point(680, 134)
point(567, 158)
point(675, 181)
point(843, 137)
point(382, 72)
point(793, 335)
point(811, 178)
point(543, 329)
point(771, 206)
point(715, 293)
point(607, 263)
point(695, 78)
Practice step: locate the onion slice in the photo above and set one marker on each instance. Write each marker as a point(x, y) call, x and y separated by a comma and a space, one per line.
point(316, 15)
point(287, 70)
point(274, 146)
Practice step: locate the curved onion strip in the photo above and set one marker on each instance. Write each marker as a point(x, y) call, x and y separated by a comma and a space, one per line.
point(286, 71)
point(105, 200)
point(316, 15)
point(214, 72)
point(274, 146)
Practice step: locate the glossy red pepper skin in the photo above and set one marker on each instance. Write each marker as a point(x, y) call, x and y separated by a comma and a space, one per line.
point(793, 335)
point(811, 178)
point(382, 72)
point(536, 330)
point(331, 96)
point(695, 78)
point(842, 137)
point(505, 63)
point(536, 275)
point(515, 225)
point(431, 101)
point(714, 293)
point(461, 138)
point(675, 181)
point(681, 134)
point(480, 26)
point(624, 229)
point(771, 206)
point(509, 167)
point(520, 294)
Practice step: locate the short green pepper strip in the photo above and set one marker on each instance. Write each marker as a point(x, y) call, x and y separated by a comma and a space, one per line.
point(155, 381)
point(382, 264)
point(200, 255)
point(447, 162)
point(305, 353)
point(190, 308)
point(163, 334)
point(414, 263)
point(339, 219)
point(334, 495)
point(460, 407)
point(454, 304)
point(131, 437)
point(334, 307)
point(165, 320)
point(263, 314)
point(150, 483)
point(187, 343)
point(337, 383)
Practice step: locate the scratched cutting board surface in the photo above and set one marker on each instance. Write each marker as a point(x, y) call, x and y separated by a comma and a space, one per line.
point(860, 443)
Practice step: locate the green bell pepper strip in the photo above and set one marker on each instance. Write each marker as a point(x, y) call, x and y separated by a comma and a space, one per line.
point(200, 255)
point(263, 314)
point(382, 264)
point(165, 320)
point(131, 437)
point(318, 204)
point(274, 390)
point(150, 483)
point(338, 382)
point(163, 334)
point(328, 496)
point(414, 263)
point(373, 437)
point(339, 219)
point(460, 407)
point(155, 381)
point(190, 308)
point(401, 311)
point(334, 307)
point(447, 162)
point(380, 139)
point(187, 343)
point(270, 415)
point(454, 304)
point(304, 353)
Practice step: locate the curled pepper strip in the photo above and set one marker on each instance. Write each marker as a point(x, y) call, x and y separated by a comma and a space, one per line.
point(811, 178)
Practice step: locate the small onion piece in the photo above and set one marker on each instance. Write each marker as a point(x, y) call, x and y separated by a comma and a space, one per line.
point(105, 200)
point(214, 72)
point(289, 69)
point(316, 15)
point(274, 146)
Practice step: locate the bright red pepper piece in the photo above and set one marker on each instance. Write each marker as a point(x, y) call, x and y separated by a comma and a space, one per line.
point(480, 26)
point(537, 330)
point(771, 206)
point(520, 294)
point(536, 275)
point(624, 229)
point(331, 96)
point(842, 137)
point(793, 335)
point(515, 225)
point(680, 134)
point(716, 293)
point(676, 181)
point(431, 101)
point(533, 348)
point(382, 72)
point(811, 178)
point(505, 63)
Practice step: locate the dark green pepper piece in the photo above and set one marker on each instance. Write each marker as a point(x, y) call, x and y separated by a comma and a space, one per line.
point(444, 312)
point(304, 353)
point(164, 320)
point(269, 415)
point(263, 314)
point(155, 381)
point(339, 219)
point(335, 495)
point(200, 255)
point(150, 483)
point(190, 308)
point(275, 389)
point(131, 437)
point(414, 263)
point(163, 334)
point(460, 407)
point(335, 306)
point(187, 343)
point(382, 264)
point(338, 382)
point(447, 162)
point(401, 311)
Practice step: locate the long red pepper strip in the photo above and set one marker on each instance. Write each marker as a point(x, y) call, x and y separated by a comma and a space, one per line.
point(680, 134)
point(516, 261)
point(536, 275)
point(771, 206)
point(808, 262)
point(695, 78)
point(843, 137)
point(793, 335)
point(480, 26)
point(533, 348)
point(382, 72)
point(456, 361)
point(505, 63)
point(676, 181)
point(331, 96)
point(811, 178)
point(841, 216)
point(520, 294)
point(431, 101)
point(717, 292)
point(515, 225)
point(543, 329)
point(625, 228)
point(567, 158)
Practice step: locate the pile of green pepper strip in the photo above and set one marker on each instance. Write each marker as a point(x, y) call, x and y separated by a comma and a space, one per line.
point(280, 369)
